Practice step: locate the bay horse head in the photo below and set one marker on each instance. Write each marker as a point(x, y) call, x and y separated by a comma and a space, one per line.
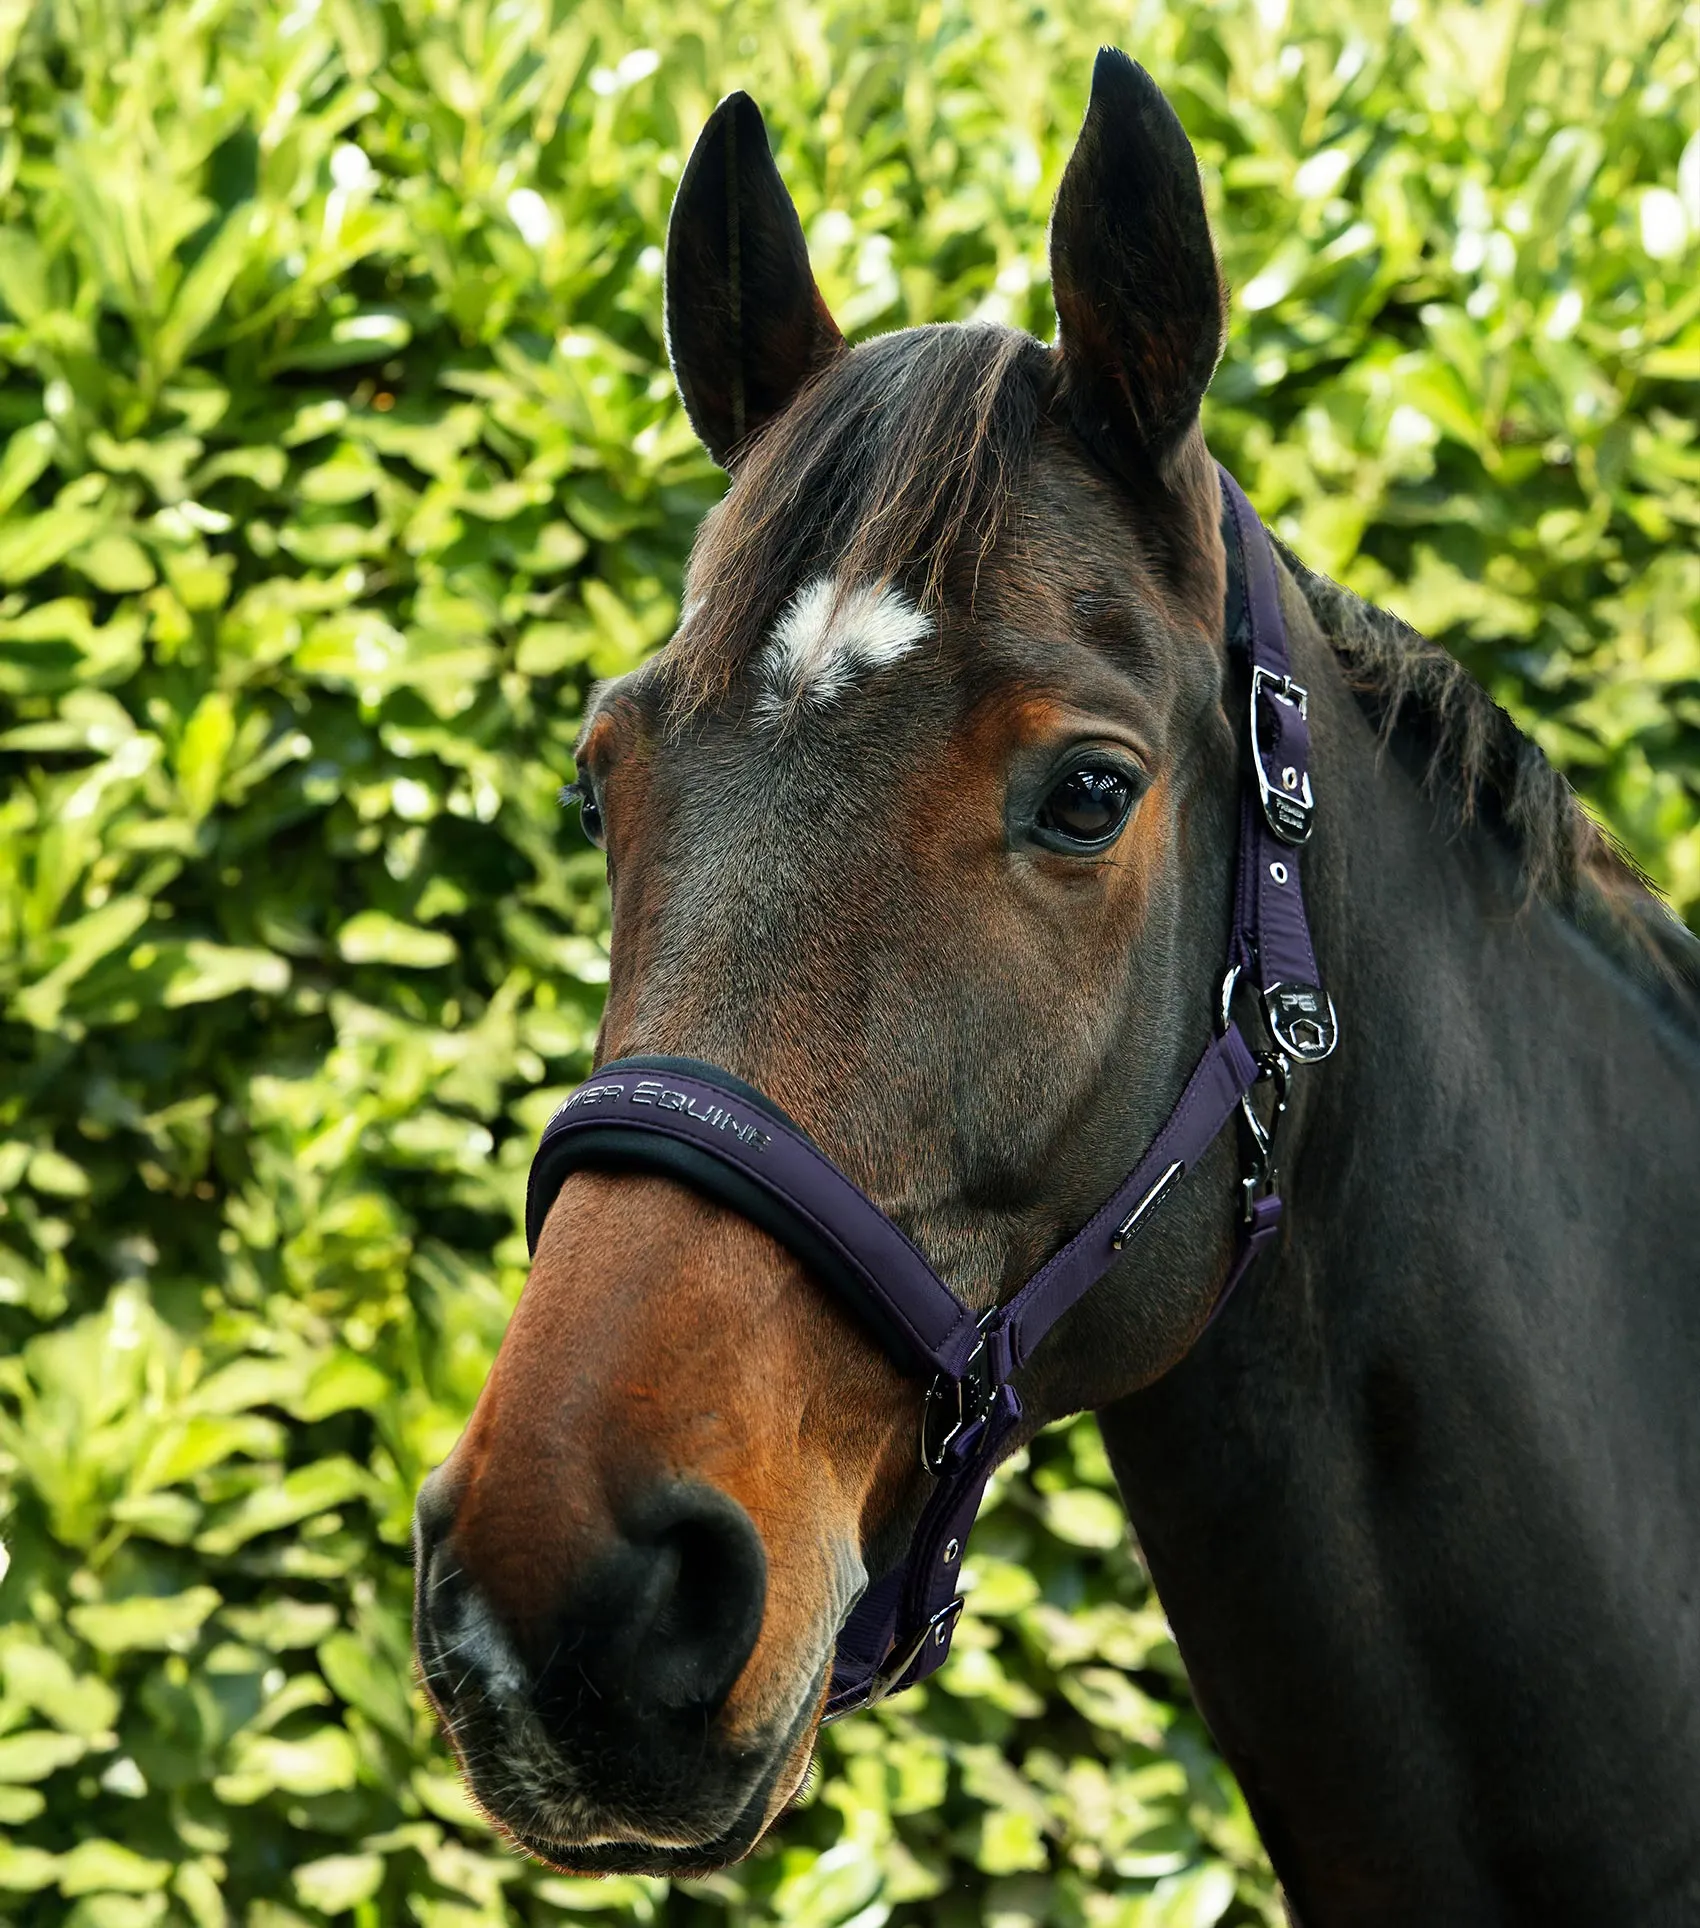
point(923, 826)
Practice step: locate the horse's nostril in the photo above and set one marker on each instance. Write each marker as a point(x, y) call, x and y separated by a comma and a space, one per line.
point(667, 1619)
point(433, 1515)
point(708, 1607)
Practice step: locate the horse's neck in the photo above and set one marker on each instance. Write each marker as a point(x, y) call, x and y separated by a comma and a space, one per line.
point(1421, 1505)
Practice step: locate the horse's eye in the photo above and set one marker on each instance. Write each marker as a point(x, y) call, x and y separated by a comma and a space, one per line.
point(589, 810)
point(1087, 808)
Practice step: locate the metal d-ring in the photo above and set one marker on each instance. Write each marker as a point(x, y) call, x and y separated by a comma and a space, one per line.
point(1225, 1008)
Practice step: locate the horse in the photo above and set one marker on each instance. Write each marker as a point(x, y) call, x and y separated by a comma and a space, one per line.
point(923, 830)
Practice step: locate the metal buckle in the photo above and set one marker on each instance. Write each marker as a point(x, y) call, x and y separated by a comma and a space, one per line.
point(953, 1405)
point(1289, 810)
point(1301, 1020)
point(936, 1632)
point(1258, 1177)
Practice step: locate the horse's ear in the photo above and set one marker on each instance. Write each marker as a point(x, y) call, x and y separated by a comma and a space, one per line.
point(746, 325)
point(1138, 294)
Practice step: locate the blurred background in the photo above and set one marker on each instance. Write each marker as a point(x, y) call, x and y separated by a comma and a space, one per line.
point(337, 455)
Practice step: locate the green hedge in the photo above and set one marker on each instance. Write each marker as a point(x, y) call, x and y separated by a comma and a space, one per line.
point(337, 452)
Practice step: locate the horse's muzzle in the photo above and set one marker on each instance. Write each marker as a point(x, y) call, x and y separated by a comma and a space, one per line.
point(587, 1722)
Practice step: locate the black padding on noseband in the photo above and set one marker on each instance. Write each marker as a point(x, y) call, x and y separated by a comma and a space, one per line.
point(616, 1148)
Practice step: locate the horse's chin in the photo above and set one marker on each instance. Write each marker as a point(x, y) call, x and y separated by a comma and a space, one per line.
point(639, 1857)
point(639, 1853)
point(681, 1861)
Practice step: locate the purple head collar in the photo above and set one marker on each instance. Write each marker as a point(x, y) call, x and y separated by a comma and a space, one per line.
point(699, 1124)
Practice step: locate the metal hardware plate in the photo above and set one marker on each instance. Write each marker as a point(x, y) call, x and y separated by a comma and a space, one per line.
point(1302, 1021)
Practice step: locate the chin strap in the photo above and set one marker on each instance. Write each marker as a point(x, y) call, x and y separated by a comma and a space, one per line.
point(698, 1123)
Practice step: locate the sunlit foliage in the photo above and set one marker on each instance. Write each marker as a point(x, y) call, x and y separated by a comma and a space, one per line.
point(337, 452)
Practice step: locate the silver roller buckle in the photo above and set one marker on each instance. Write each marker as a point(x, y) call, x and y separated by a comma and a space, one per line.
point(1289, 808)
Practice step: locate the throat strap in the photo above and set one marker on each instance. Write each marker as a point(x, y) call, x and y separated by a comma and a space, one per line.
point(694, 1122)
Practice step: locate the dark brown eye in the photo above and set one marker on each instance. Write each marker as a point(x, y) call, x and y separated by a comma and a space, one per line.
point(589, 810)
point(1087, 808)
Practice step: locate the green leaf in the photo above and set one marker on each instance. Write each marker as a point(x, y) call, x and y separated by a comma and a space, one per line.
point(117, 1911)
point(306, 1491)
point(359, 1676)
point(40, 1678)
point(203, 971)
point(26, 1870)
point(116, 563)
point(828, 1887)
point(27, 456)
point(548, 648)
point(37, 542)
point(34, 1755)
point(23, 276)
point(338, 1882)
point(634, 1897)
point(202, 751)
point(278, 1626)
point(349, 476)
point(443, 1796)
point(1010, 1841)
point(55, 646)
point(1084, 1517)
point(374, 937)
point(163, 1623)
point(1197, 1899)
point(323, 1762)
point(343, 1382)
point(204, 288)
point(248, 1382)
point(168, 1517)
point(108, 1866)
point(197, 1886)
point(356, 338)
point(56, 1175)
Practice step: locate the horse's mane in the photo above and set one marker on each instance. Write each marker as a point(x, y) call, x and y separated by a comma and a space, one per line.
point(1491, 773)
point(902, 459)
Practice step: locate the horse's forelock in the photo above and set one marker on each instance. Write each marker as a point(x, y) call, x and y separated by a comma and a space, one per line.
point(898, 460)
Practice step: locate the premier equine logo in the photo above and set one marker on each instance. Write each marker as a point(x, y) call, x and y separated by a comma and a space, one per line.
point(664, 1097)
point(587, 1095)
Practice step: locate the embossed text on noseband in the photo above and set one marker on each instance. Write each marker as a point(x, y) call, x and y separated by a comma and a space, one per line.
point(591, 1094)
point(651, 1091)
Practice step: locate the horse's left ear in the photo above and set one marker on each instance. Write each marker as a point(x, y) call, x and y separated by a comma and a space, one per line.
point(1138, 293)
point(746, 325)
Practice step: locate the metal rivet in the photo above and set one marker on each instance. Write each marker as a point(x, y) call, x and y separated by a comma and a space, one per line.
point(950, 1552)
point(941, 1634)
point(1278, 872)
point(1289, 778)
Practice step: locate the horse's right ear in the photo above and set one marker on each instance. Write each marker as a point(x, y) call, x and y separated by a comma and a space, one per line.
point(746, 325)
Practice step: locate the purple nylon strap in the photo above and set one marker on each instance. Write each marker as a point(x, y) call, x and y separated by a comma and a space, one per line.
point(1271, 931)
point(693, 1121)
point(1222, 1076)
